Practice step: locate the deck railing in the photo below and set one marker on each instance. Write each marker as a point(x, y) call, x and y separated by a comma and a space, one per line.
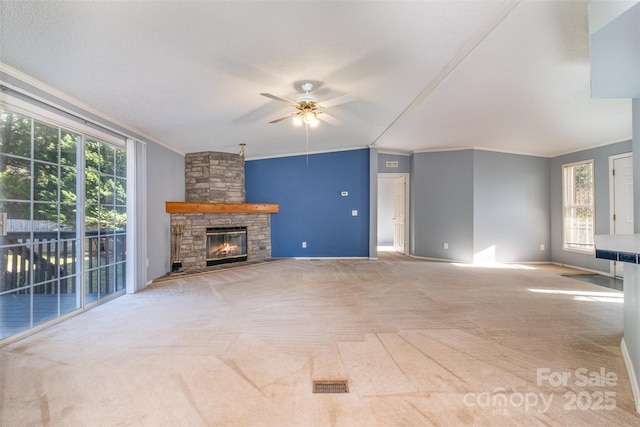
point(53, 255)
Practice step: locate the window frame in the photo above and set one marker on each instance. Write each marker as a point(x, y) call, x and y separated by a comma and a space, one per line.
point(588, 250)
point(48, 117)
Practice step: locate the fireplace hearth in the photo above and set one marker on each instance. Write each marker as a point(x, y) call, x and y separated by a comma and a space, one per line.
point(226, 244)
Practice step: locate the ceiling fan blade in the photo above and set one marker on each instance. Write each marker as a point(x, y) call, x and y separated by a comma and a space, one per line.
point(338, 100)
point(329, 119)
point(277, 98)
point(283, 118)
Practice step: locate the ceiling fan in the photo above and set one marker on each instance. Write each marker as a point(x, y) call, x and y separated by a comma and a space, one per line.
point(310, 109)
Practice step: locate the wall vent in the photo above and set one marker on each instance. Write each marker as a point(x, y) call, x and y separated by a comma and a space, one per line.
point(391, 164)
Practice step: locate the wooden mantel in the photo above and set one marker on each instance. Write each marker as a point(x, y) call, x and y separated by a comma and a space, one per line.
point(200, 207)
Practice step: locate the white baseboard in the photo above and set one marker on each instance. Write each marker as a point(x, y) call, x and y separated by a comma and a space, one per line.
point(437, 259)
point(635, 388)
point(472, 263)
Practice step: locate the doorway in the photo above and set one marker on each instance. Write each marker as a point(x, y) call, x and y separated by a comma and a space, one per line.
point(393, 212)
point(621, 200)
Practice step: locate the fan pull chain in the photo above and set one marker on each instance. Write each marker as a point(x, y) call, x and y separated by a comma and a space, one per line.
point(306, 128)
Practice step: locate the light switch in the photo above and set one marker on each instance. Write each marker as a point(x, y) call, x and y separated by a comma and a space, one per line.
point(354, 212)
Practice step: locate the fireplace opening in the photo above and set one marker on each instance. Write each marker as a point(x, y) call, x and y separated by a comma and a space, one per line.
point(226, 244)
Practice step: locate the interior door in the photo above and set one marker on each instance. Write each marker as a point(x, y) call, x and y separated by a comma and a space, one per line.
point(622, 215)
point(399, 196)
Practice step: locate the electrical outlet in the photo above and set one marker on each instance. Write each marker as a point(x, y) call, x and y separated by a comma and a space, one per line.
point(542, 246)
point(304, 245)
point(445, 245)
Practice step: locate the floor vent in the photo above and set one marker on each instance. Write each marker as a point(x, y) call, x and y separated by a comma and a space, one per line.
point(330, 387)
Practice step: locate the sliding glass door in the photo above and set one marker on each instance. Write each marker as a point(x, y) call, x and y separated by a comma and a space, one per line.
point(63, 214)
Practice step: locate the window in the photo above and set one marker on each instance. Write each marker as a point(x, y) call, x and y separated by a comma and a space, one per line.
point(578, 207)
point(105, 219)
point(56, 187)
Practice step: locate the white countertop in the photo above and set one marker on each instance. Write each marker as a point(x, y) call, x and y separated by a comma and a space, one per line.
point(629, 243)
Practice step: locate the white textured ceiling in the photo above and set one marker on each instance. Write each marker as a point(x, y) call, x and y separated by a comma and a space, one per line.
point(429, 75)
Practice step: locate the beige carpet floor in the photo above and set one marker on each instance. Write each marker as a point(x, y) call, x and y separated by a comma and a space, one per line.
point(420, 343)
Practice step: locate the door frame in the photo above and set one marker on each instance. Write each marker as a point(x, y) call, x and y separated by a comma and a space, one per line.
point(612, 205)
point(407, 199)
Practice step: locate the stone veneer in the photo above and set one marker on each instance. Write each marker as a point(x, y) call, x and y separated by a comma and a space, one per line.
point(214, 177)
point(218, 177)
point(194, 245)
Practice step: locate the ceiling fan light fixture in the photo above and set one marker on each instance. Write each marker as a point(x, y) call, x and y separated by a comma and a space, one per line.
point(309, 107)
point(309, 117)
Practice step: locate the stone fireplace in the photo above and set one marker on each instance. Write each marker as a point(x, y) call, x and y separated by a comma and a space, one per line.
point(214, 219)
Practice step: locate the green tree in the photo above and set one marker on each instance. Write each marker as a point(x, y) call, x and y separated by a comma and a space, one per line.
point(15, 134)
point(48, 176)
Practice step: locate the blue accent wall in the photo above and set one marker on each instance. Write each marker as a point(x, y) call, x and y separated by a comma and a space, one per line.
point(312, 209)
